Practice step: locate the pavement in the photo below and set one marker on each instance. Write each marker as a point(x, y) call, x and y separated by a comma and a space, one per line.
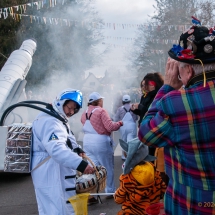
point(17, 195)
point(109, 206)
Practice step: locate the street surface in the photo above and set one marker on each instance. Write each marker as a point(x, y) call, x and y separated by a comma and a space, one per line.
point(17, 195)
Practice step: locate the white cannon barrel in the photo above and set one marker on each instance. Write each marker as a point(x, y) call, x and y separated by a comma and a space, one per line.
point(16, 67)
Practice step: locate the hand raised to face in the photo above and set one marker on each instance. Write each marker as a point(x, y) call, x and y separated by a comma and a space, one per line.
point(171, 74)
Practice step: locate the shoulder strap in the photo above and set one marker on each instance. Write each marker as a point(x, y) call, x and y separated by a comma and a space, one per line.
point(54, 113)
point(67, 129)
point(125, 109)
point(41, 163)
point(68, 142)
point(88, 118)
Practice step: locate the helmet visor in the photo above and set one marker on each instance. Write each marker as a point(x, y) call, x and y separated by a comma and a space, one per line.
point(75, 96)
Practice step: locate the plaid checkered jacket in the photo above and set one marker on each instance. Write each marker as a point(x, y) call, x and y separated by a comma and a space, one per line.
point(184, 123)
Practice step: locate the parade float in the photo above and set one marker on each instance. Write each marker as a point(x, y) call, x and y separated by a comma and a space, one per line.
point(15, 126)
point(15, 132)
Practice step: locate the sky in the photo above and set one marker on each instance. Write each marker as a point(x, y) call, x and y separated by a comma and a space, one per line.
point(135, 11)
point(118, 40)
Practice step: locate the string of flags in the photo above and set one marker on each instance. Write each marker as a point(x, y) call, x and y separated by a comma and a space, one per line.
point(120, 38)
point(152, 51)
point(43, 20)
point(23, 7)
point(149, 27)
point(39, 5)
point(6, 12)
point(17, 12)
point(158, 41)
point(47, 20)
point(164, 41)
point(146, 53)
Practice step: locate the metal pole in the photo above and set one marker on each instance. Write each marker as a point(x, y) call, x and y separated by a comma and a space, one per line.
point(101, 194)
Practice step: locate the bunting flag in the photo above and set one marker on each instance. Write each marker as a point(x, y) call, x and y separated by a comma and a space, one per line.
point(119, 38)
point(158, 41)
point(164, 41)
point(39, 5)
point(147, 52)
point(5, 12)
point(149, 27)
point(117, 46)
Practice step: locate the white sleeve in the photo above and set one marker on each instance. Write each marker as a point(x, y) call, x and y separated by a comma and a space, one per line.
point(53, 136)
point(73, 141)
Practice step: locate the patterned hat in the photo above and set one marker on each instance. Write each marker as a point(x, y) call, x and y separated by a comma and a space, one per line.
point(196, 45)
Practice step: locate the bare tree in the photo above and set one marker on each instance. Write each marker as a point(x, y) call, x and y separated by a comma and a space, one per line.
point(207, 12)
point(171, 18)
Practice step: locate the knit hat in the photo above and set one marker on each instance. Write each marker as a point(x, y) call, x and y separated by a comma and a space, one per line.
point(136, 152)
point(196, 45)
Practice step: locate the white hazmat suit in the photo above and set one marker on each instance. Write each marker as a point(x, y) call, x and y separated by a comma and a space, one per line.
point(98, 148)
point(54, 181)
point(129, 129)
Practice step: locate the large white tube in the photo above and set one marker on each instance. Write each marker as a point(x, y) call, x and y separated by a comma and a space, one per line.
point(16, 67)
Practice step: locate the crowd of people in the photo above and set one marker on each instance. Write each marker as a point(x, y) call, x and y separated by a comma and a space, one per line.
point(169, 153)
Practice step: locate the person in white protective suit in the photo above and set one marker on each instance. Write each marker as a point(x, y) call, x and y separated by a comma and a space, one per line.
point(56, 156)
point(129, 129)
point(97, 128)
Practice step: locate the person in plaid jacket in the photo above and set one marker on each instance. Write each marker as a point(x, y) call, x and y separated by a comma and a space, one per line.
point(182, 120)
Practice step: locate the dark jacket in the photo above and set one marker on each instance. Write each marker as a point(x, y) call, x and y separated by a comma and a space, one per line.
point(144, 104)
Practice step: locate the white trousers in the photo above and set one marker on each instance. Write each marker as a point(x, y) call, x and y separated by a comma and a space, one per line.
point(99, 149)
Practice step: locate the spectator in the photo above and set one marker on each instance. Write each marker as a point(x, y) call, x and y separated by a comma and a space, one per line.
point(140, 184)
point(150, 85)
point(182, 120)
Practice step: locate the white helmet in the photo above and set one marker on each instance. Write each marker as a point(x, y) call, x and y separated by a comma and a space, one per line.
point(67, 94)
